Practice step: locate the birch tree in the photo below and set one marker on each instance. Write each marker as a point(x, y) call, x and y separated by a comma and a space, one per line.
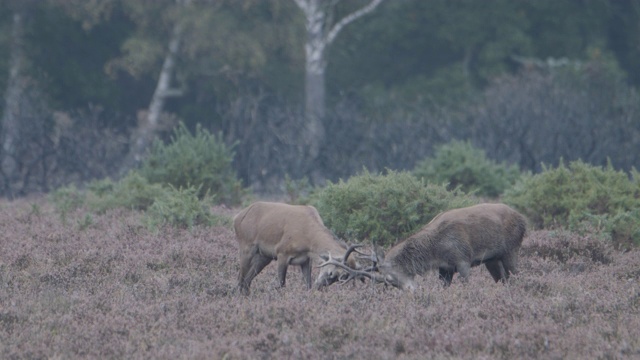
point(148, 125)
point(195, 44)
point(321, 32)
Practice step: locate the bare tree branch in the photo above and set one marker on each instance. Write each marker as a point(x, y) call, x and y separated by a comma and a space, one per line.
point(349, 19)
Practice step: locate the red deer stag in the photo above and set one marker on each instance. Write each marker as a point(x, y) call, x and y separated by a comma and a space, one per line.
point(291, 235)
point(454, 241)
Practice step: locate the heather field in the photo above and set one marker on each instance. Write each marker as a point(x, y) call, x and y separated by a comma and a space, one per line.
point(104, 286)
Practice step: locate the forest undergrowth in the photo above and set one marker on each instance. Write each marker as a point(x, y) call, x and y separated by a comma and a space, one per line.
point(105, 286)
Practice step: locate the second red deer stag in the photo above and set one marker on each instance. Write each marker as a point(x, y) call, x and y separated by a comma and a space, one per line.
point(291, 235)
point(454, 241)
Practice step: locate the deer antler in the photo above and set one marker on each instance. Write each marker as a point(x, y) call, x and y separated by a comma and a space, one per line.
point(352, 273)
point(352, 248)
point(373, 258)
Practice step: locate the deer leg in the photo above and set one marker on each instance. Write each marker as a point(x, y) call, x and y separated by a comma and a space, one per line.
point(446, 276)
point(246, 257)
point(306, 272)
point(496, 269)
point(464, 268)
point(257, 263)
point(283, 263)
point(510, 262)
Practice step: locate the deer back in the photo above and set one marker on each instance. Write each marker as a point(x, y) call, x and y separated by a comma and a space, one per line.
point(277, 226)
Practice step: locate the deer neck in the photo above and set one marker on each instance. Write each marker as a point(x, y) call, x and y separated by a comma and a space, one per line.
point(328, 245)
point(413, 256)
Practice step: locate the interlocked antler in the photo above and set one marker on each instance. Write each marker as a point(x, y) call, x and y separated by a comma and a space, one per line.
point(373, 258)
point(352, 248)
point(351, 272)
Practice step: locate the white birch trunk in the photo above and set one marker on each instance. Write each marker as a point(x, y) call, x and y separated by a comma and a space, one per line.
point(147, 128)
point(319, 37)
point(315, 66)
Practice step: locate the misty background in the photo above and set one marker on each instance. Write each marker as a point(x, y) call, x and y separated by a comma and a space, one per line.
point(311, 88)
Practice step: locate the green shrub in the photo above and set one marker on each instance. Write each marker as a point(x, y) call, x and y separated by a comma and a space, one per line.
point(581, 196)
point(383, 208)
point(461, 165)
point(179, 208)
point(67, 199)
point(201, 160)
point(163, 205)
point(131, 192)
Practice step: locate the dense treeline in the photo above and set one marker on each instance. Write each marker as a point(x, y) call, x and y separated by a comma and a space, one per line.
point(529, 82)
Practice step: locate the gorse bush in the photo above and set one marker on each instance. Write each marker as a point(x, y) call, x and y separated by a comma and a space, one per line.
point(383, 208)
point(461, 165)
point(163, 205)
point(175, 185)
point(201, 160)
point(132, 192)
point(180, 208)
point(582, 197)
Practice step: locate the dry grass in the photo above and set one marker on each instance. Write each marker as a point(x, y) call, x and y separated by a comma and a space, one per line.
point(106, 287)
